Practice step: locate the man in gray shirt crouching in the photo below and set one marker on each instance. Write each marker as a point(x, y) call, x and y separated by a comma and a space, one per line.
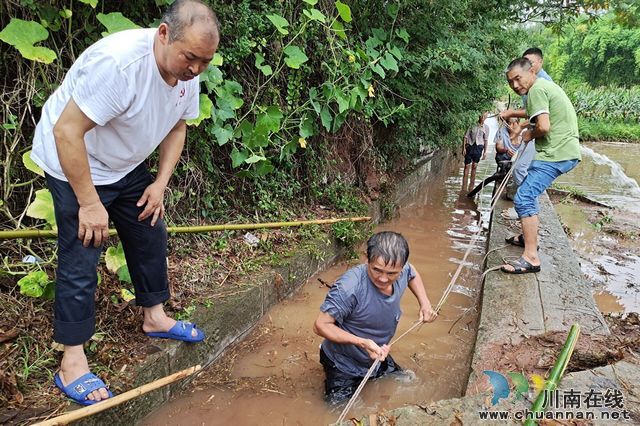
point(361, 312)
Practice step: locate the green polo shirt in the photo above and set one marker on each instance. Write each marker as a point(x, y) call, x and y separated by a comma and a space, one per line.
point(561, 143)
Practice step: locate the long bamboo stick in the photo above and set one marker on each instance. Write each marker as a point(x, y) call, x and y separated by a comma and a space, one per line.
point(556, 373)
point(118, 399)
point(49, 233)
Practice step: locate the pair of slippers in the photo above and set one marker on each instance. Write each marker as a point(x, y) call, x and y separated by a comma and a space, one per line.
point(520, 266)
point(79, 389)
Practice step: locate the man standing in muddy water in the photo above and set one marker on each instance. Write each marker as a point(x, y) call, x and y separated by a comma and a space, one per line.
point(554, 126)
point(361, 312)
point(124, 96)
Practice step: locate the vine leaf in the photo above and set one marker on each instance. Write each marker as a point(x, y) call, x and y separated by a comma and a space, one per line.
point(295, 57)
point(266, 69)
point(36, 284)
point(92, 3)
point(29, 164)
point(205, 110)
point(389, 62)
point(115, 22)
point(114, 258)
point(42, 207)
point(238, 157)
point(315, 15)
point(280, 23)
point(23, 35)
point(344, 11)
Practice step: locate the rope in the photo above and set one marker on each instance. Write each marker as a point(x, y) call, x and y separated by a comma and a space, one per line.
point(446, 292)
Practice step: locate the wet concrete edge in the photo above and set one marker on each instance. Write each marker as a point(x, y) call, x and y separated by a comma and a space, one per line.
point(235, 315)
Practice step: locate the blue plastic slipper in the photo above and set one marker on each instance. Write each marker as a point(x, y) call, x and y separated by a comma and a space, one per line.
point(180, 331)
point(81, 387)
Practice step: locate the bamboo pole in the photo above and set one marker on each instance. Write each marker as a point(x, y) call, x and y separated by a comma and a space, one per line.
point(118, 399)
point(50, 233)
point(556, 373)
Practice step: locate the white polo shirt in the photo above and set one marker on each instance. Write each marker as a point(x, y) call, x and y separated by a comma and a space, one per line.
point(117, 84)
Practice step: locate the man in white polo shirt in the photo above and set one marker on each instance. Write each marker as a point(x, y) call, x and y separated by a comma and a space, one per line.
point(126, 95)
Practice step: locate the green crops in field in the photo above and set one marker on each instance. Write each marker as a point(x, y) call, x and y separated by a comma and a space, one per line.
point(616, 104)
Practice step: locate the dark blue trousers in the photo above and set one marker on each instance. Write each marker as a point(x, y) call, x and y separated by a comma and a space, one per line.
point(145, 248)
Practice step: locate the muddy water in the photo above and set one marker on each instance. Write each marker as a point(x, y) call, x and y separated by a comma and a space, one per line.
point(609, 174)
point(278, 380)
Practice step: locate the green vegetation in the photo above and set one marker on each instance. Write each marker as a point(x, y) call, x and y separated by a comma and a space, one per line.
point(596, 62)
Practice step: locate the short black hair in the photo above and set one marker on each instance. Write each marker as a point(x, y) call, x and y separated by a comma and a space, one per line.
point(522, 63)
point(533, 51)
point(389, 246)
point(179, 17)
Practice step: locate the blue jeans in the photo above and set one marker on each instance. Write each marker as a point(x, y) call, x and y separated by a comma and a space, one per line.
point(145, 249)
point(539, 177)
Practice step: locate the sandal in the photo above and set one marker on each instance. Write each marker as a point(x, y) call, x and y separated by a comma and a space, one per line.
point(182, 330)
point(81, 387)
point(517, 240)
point(521, 266)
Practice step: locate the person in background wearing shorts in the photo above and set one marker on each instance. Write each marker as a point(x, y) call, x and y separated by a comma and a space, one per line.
point(474, 149)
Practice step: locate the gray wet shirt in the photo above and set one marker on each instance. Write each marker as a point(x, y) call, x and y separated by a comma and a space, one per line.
point(361, 309)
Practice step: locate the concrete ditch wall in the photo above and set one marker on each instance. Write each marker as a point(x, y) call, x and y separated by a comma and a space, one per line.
point(234, 316)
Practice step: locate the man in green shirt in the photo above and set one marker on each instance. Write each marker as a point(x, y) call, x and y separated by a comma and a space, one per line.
point(554, 126)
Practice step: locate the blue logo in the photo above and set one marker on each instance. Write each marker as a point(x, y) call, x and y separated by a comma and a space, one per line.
point(502, 389)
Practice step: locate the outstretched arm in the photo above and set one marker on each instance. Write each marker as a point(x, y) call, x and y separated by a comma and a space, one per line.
point(427, 314)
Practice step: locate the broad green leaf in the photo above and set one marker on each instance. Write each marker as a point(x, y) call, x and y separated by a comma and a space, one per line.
point(313, 99)
point(115, 22)
point(23, 35)
point(344, 11)
point(212, 77)
point(238, 157)
point(378, 70)
point(205, 110)
point(325, 117)
point(254, 159)
point(223, 115)
point(92, 3)
point(280, 23)
point(223, 134)
point(315, 15)
point(380, 34)
point(306, 128)
point(226, 98)
point(338, 28)
point(396, 52)
point(403, 34)
point(392, 10)
point(126, 295)
point(30, 165)
point(343, 101)
point(123, 274)
point(266, 69)
point(114, 258)
point(264, 168)
point(42, 207)
point(269, 121)
point(337, 121)
point(389, 62)
point(311, 2)
point(66, 13)
point(217, 60)
point(49, 291)
point(295, 57)
point(33, 284)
